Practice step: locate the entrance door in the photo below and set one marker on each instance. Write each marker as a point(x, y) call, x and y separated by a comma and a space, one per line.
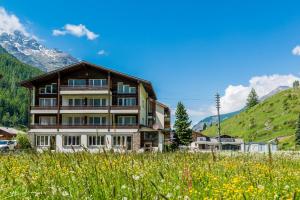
point(52, 143)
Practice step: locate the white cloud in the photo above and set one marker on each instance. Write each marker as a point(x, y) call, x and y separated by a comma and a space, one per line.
point(296, 50)
point(9, 23)
point(235, 96)
point(102, 52)
point(76, 30)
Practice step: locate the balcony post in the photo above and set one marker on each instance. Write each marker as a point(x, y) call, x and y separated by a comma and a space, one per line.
point(139, 103)
point(58, 100)
point(109, 100)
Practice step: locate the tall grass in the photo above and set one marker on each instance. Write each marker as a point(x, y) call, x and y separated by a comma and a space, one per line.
point(148, 176)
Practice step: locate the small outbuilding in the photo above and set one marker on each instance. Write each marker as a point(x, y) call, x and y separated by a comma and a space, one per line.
point(259, 147)
point(7, 133)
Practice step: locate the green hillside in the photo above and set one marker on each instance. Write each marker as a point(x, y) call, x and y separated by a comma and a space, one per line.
point(275, 117)
point(13, 98)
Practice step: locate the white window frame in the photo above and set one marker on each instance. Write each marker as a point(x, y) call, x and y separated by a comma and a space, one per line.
point(103, 82)
point(101, 120)
point(72, 81)
point(127, 101)
point(45, 91)
point(52, 120)
point(103, 101)
point(72, 138)
point(123, 87)
point(96, 140)
point(121, 120)
point(52, 100)
point(73, 120)
point(42, 140)
point(120, 141)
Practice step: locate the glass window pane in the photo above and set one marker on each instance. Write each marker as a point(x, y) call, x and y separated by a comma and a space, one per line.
point(96, 120)
point(103, 102)
point(104, 82)
point(103, 120)
point(129, 143)
point(102, 140)
point(97, 102)
point(126, 89)
point(38, 138)
point(78, 140)
point(70, 102)
point(48, 89)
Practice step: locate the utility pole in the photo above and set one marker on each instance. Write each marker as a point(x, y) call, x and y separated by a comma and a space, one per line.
point(219, 120)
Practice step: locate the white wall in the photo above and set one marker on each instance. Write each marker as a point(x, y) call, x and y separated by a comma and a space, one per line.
point(160, 116)
point(143, 103)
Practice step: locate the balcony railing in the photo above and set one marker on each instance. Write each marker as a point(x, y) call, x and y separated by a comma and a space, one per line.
point(118, 107)
point(54, 107)
point(81, 126)
point(84, 107)
point(83, 87)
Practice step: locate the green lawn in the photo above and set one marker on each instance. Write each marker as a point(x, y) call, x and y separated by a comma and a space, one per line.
point(149, 176)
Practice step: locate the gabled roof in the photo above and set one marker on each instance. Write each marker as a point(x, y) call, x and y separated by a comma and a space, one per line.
point(8, 130)
point(29, 83)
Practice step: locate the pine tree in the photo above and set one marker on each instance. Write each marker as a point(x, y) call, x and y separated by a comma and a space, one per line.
point(252, 99)
point(296, 84)
point(297, 140)
point(182, 125)
point(204, 127)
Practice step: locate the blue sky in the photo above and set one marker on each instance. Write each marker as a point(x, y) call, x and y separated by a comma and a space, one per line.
point(188, 49)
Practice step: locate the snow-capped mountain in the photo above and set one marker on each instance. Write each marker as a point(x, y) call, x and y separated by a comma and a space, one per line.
point(30, 51)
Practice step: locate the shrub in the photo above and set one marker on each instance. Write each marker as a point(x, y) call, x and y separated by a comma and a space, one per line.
point(23, 141)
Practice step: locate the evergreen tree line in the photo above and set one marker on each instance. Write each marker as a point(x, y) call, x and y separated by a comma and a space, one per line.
point(13, 97)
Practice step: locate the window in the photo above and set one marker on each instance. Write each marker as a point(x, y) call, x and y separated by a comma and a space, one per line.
point(76, 82)
point(94, 140)
point(74, 121)
point(98, 82)
point(97, 102)
point(97, 120)
point(126, 89)
point(129, 101)
point(72, 140)
point(46, 120)
point(47, 102)
point(122, 141)
point(42, 140)
point(126, 120)
point(49, 89)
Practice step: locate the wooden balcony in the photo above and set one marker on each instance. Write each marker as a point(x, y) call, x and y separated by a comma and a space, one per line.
point(83, 107)
point(82, 87)
point(43, 109)
point(84, 126)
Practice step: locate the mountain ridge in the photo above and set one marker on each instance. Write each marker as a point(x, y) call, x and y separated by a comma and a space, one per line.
point(29, 51)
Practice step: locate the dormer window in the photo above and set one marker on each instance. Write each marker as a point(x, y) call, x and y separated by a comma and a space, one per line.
point(126, 89)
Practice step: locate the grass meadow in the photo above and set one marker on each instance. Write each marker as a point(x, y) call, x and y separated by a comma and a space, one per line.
point(149, 176)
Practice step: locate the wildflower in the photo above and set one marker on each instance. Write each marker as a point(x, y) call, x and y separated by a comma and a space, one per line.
point(186, 198)
point(286, 187)
point(177, 187)
point(65, 193)
point(124, 198)
point(123, 187)
point(135, 177)
point(169, 195)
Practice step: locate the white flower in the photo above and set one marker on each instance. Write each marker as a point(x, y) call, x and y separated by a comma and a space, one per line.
point(124, 198)
point(186, 198)
point(177, 187)
point(169, 195)
point(135, 177)
point(65, 193)
point(123, 187)
point(286, 187)
point(162, 180)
